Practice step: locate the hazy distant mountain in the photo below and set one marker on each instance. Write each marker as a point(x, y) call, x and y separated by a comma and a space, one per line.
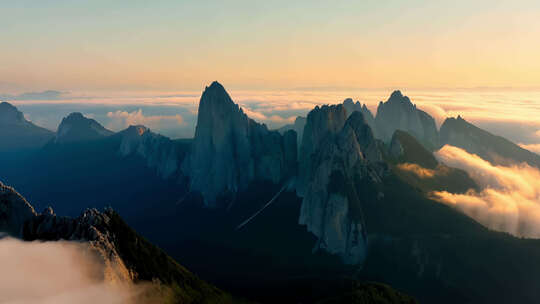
point(399, 113)
point(495, 149)
point(230, 150)
point(75, 127)
point(17, 133)
point(127, 255)
point(44, 95)
point(418, 167)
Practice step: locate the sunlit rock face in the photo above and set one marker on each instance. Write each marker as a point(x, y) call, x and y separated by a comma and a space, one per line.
point(159, 151)
point(93, 227)
point(399, 113)
point(19, 219)
point(230, 150)
point(75, 128)
point(336, 153)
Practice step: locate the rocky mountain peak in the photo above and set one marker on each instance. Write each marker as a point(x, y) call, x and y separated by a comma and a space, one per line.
point(336, 152)
point(76, 127)
point(14, 211)
point(396, 95)
point(216, 95)
point(230, 149)
point(159, 151)
point(399, 113)
point(17, 133)
point(137, 130)
point(10, 115)
point(497, 150)
point(398, 98)
point(321, 123)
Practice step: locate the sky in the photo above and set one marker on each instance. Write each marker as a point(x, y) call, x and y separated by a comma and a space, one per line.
point(147, 62)
point(88, 46)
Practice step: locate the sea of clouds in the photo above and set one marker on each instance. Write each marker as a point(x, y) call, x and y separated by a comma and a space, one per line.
point(509, 113)
point(510, 197)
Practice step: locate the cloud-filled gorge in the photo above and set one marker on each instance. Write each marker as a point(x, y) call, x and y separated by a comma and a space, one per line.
point(510, 197)
point(58, 272)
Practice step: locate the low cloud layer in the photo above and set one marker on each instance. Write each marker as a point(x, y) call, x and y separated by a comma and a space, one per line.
point(510, 199)
point(55, 272)
point(512, 114)
point(45, 95)
point(273, 121)
point(123, 119)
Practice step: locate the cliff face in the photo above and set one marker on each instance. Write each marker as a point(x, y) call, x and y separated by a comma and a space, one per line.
point(495, 149)
point(14, 211)
point(322, 122)
point(159, 151)
point(298, 127)
point(230, 150)
point(336, 154)
point(19, 219)
point(399, 113)
point(351, 106)
point(126, 257)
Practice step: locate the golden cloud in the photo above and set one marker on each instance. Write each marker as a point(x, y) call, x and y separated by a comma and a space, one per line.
point(509, 201)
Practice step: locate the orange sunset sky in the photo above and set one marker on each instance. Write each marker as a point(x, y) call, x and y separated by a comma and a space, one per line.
point(182, 45)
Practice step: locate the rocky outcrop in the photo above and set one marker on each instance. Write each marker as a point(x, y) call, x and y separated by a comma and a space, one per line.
point(126, 257)
point(351, 106)
point(399, 113)
point(75, 128)
point(298, 127)
point(16, 132)
point(495, 149)
point(19, 219)
point(322, 122)
point(91, 227)
point(336, 154)
point(159, 151)
point(230, 150)
point(14, 211)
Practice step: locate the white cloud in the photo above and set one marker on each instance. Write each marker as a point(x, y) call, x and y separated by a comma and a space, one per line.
point(510, 199)
point(123, 119)
point(55, 272)
point(272, 120)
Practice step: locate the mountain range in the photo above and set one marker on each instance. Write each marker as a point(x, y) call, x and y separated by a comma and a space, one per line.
point(330, 201)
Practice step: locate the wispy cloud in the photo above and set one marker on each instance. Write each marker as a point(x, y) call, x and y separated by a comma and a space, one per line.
point(510, 199)
point(124, 119)
point(417, 170)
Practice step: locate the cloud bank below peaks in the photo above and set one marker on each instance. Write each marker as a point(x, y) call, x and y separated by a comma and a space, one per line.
point(509, 201)
point(122, 119)
point(58, 272)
